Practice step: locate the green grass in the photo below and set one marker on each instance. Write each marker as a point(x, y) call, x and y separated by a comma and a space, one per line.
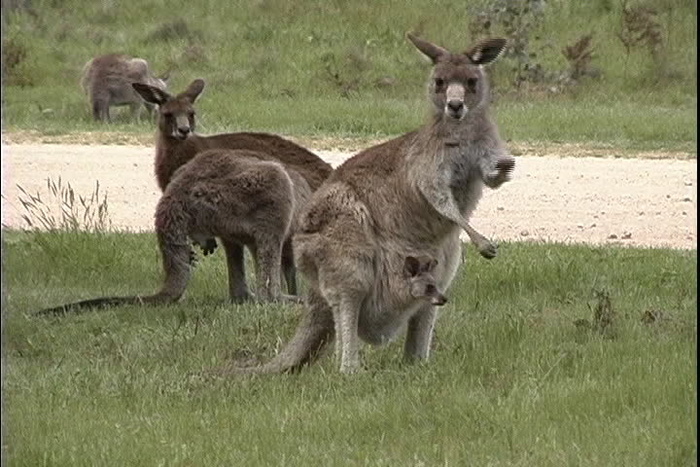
point(270, 65)
point(512, 380)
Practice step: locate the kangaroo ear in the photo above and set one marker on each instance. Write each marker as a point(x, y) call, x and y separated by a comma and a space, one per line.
point(151, 94)
point(486, 51)
point(411, 266)
point(432, 51)
point(193, 90)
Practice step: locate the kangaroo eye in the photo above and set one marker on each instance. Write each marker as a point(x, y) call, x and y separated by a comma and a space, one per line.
point(471, 83)
point(439, 84)
point(167, 114)
point(430, 288)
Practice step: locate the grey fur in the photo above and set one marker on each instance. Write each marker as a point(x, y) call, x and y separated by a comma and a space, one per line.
point(177, 143)
point(107, 82)
point(245, 198)
point(410, 196)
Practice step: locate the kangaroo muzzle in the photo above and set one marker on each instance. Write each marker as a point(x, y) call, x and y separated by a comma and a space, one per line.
point(454, 101)
point(182, 128)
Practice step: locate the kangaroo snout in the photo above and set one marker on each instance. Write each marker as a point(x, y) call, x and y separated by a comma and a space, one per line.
point(455, 106)
point(455, 109)
point(438, 300)
point(182, 132)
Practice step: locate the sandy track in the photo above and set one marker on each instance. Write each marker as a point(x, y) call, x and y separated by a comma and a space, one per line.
point(639, 202)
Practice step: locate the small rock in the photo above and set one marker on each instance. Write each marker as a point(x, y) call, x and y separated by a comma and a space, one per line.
point(499, 208)
point(627, 235)
point(594, 225)
point(612, 236)
point(688, 183)
point(595, 216)
point(668, 196)
point(687, 199)
point(685, 213)
point(580, 226)
point(641, 213)
point(524, 233)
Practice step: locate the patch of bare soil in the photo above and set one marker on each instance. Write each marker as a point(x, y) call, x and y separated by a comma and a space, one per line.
point(645, 201)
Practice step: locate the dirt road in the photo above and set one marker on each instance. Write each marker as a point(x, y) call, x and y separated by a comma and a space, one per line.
point(641, 202)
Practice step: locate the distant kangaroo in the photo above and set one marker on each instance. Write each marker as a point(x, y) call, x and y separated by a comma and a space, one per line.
point(243, 197)
point(409, 196)
point(177, 143)
point(107, 82)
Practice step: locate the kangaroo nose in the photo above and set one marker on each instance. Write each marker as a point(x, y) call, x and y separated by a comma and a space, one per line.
point(439, 300)
point(183, 130)
point(455, 106)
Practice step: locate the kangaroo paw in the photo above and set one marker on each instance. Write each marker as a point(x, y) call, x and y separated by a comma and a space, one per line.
point(488, 249)
point(209, 246)
point(193, 258)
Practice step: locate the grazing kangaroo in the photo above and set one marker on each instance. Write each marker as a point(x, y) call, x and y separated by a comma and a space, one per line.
point(177, 143)
point(409, 196)
point(243, 197)
point(107, 82)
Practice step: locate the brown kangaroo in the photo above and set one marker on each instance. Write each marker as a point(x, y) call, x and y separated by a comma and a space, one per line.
point(243, 197)
point(107, 82)
point(408, 196)
point(177, 143)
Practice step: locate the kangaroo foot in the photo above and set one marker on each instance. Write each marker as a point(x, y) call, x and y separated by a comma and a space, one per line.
point(242, 297)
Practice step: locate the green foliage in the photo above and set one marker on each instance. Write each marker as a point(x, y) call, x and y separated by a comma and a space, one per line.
point(344, 68)
point(513, 380)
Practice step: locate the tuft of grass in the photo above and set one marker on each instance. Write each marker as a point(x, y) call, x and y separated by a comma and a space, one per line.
point(75, 212)
point(511, 380)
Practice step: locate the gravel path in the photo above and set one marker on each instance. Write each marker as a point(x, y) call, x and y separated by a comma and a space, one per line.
point(639, 202)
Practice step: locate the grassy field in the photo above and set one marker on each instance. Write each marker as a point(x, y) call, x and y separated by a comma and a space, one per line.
point(530, 366)
point(344, 69)
point(549, 355)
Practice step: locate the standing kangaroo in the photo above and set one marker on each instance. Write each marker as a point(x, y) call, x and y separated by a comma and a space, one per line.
point(409, 196)
point(243, 197)
point(177, 143)
point(213, 193)
point(107, 82)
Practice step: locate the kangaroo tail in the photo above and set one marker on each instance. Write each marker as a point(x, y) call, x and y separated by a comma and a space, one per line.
point(102, 302)
point(312, 335)
point(171, 226)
